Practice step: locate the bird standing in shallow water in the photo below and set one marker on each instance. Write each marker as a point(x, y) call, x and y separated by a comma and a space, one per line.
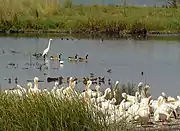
point(46, 51)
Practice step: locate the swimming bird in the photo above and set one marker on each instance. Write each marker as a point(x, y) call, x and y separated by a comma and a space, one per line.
point(46, 51)
point(109, 70)
point(84, 59)
point(56, 57)
point(73, 58)
point(16, 80)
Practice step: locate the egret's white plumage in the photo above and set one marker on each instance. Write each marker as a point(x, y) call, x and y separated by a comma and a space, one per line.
point(47, 49)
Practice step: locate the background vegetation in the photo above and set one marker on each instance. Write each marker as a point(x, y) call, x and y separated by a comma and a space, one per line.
point(51, 15)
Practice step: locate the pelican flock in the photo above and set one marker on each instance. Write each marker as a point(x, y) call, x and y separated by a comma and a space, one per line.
point(137, 108)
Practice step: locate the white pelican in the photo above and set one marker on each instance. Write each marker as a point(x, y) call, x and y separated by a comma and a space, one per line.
point(29, 87)
point(103, 98)
point(97, 93)
point(54, 89)
point(132, 99)
point(35, 89)
point(21, 89)
point(47, 49)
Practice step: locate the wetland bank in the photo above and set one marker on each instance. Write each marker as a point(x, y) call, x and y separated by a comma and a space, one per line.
point(51, 16)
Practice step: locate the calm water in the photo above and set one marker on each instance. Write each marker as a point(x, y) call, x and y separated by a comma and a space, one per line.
point(158, 59)
point(129, 2)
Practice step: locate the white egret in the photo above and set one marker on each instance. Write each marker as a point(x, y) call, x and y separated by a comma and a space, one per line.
point(47, 49)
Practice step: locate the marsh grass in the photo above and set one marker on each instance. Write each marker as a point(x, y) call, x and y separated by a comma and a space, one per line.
point(53, 15)
point(46, 112)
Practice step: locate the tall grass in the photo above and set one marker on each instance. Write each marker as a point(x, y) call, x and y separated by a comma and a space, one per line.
point(46, 112)
point(51, 15)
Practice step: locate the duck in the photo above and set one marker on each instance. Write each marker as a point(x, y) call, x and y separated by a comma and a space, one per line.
point(56, 57)
point(75, 58)
point(83, 59)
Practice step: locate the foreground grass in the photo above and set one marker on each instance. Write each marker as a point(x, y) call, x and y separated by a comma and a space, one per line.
point(46, 112)
point(50, 15)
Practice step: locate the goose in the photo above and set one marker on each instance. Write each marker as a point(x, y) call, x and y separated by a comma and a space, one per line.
point(46, 51)
point(84, 59)
point(56, 57)
point(73, 58)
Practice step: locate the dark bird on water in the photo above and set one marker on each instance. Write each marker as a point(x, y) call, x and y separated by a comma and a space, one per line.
point(142, 73)
point(109, 71)
point(9, 80)
point(16, 80)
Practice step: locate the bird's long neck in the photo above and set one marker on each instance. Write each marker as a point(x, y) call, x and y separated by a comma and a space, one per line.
point(59, 56)
point(49, 44)
point(87, 86)
point(70, 83)
point(36, 85)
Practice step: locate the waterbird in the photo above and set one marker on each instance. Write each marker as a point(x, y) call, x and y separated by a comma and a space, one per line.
point(84, 59)
point(73, 58)
point(13, 51)
point(56, 57)
point(46, 51)
point(37, 55)
point(92, 74)
point(109, 70)
point(9, 80)
point(16, 80)
point(101, 40)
